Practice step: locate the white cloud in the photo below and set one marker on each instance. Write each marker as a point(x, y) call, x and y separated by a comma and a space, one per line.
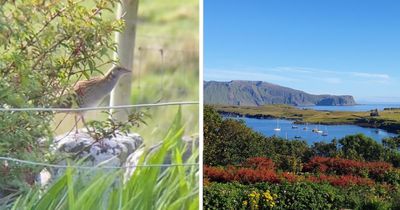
point(225, 75)
point(371, 75)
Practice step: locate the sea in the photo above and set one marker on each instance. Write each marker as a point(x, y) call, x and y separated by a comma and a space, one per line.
point(289, 130)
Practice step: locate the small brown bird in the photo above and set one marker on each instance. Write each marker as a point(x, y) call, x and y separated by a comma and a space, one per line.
point(89, 93)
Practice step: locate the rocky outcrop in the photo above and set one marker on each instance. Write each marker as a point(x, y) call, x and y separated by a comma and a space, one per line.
point(257, 93)
point(119, 151)
point(107, 152)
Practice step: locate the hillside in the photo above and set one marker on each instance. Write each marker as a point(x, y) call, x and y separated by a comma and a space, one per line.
point(257, 93)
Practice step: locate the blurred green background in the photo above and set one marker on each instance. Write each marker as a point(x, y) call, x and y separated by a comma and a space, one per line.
point(172, 26)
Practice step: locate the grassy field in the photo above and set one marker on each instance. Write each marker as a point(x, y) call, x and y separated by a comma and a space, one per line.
point(173, 27)
point(388, 119)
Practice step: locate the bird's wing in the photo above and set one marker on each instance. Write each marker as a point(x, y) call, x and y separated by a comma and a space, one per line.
point(81, 86)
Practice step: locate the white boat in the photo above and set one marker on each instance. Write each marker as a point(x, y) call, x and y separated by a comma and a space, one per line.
point(317, 130)
point(325, 133)
point(277, 126)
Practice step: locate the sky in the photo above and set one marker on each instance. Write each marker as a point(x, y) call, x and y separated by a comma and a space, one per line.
point(342, 47)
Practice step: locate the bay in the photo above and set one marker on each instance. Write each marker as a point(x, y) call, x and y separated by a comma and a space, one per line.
point(267, 126)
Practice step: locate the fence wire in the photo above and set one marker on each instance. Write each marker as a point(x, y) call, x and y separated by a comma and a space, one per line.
point(94, 167)
point(45, 109)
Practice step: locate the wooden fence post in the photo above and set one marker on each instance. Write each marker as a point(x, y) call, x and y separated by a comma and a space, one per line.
point(121, 95)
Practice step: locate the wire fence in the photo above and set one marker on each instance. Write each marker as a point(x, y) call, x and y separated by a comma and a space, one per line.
point(95, 167)
point(44, 109)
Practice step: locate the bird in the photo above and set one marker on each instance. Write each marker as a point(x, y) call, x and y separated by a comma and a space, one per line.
point(90, 93)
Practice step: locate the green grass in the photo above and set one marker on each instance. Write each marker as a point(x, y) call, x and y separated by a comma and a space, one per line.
point(293, 113)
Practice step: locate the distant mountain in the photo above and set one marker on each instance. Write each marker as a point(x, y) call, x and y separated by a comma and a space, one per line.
point(256, 93)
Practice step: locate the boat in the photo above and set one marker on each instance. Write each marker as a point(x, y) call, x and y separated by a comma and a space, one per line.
point(306, 128)
point(297, 137)
point(277, 129)
point(294, 126)
point(317, 130)
point(325, 133)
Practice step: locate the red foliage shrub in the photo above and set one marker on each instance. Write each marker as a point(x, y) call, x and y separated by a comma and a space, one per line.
point(217, 174)
point(341, 166)
point(260, 163)
point(345, 172)
point(245, 175)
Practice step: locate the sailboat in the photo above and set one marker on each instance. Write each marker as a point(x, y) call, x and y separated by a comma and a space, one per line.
point(318, 130)
point(277, 129)
point(306, 128)
point(297, 136)
point(325, 133)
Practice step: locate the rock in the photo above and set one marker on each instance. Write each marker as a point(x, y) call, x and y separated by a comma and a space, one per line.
point(189, 142)
point(107, 152)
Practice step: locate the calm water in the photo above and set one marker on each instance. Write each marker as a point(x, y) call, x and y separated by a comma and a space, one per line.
point(266, 126)
point(356, 108)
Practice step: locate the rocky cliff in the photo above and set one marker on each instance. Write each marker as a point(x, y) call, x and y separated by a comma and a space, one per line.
point(256, 93)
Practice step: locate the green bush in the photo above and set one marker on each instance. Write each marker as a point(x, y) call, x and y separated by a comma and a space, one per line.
point(45, 47)
point(299, 196)
point(228, 141)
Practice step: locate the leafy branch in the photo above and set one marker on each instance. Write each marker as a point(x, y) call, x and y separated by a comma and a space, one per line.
point(110, 127)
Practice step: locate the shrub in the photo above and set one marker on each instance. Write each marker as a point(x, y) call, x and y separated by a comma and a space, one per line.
point(343, 181)
point(339, 166)
point(259, 163)
point(45, 47)
point(296, 196)
point(361, 147)
point(283, 196)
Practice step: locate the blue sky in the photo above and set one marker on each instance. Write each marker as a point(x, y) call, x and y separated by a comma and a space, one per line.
point(319, 46)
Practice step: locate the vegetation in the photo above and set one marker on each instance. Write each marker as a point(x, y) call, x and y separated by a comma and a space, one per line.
point(388, 119)
point(302, 195)
point(46, 46)
point(352, 172)
point(147, 188)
